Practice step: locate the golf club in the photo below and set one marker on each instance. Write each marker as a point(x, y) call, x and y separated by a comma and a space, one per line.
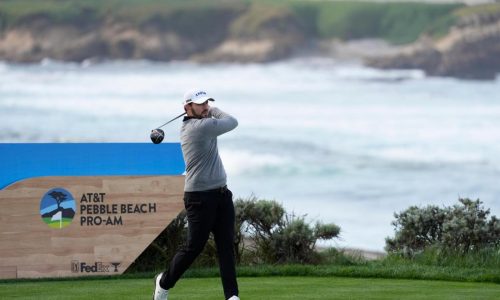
point(157, 134)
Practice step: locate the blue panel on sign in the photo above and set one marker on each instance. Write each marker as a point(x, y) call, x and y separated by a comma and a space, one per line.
point(22, 161)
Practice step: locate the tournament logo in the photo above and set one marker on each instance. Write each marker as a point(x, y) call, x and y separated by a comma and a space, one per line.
point(57, 208)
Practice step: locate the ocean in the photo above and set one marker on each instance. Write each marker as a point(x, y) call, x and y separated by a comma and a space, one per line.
point(331, 141)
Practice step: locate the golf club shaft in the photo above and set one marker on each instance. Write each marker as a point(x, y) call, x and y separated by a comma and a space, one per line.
point(172, 120)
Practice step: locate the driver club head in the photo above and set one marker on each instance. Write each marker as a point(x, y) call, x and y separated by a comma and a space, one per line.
point(157, 136)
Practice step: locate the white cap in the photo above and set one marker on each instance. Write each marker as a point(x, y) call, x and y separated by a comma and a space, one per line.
point(196, 96)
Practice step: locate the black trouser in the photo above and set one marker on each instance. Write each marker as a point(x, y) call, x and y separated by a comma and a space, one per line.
point(208, 211)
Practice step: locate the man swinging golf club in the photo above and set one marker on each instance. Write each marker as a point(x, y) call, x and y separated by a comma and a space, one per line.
point(207, 199)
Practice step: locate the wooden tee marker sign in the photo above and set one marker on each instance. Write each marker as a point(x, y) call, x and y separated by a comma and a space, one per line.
point(84, 209)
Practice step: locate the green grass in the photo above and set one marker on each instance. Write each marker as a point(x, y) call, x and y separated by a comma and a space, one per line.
point(176, 14)
point(488, 257)
point(370, 270)
point(55, 224)
point(396, 22)
point(254, 288)
point(491, 8)
point(477, 266)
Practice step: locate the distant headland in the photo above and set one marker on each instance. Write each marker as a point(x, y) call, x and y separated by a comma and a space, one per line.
point(441, 39)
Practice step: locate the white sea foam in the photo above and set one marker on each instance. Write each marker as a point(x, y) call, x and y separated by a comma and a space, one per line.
point(338, 142)
point(243, 162)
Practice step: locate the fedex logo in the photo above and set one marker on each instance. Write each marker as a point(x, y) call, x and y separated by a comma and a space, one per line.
point(97, 267)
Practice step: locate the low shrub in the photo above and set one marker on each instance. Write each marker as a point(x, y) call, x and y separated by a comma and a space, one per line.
point(276, 236)
point(264, 234)
point(462, 228)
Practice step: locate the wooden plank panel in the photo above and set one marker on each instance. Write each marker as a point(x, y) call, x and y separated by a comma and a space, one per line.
point(116, 218)
point(7, 272)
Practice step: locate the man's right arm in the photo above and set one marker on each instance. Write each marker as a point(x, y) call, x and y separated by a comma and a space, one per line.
point(218, 122)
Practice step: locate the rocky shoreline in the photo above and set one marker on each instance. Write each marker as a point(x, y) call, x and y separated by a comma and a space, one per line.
point(38, 38)
point(470, 50)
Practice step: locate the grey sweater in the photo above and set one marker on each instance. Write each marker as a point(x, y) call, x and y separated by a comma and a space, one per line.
point(204, 169)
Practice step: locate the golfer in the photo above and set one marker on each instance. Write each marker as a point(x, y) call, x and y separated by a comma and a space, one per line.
point(208, 201)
